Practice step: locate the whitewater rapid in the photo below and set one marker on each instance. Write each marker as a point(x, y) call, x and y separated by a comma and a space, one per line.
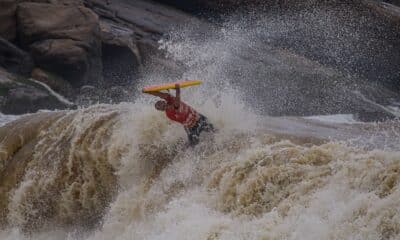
point(124, 171)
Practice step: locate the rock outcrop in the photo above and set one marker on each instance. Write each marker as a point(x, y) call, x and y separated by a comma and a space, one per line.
point(7, 19)
point(56, 83)
point(20, 95)
point(147, 19)
point(62, 39)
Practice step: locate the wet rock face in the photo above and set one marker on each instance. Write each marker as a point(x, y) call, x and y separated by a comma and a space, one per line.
point(133, 24)
point(119, 65)
point(120, 55)
point(23, 99)
point(62, 39)
point(54, 82)
point(19, 95)
point(14, 59)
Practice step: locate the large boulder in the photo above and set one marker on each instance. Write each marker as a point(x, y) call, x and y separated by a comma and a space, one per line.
point(64, 39)
point(7, 19)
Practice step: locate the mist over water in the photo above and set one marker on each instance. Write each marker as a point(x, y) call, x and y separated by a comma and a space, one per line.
point(276, 60)
point(125, 172)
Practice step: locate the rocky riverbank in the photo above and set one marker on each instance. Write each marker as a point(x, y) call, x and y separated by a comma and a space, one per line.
point(86, 46)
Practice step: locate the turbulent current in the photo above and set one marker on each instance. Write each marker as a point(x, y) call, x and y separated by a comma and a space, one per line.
point(126, 172)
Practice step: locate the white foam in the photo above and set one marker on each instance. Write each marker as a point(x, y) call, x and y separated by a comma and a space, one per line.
point(335, 118)
point(180, 205)
point(4, 118)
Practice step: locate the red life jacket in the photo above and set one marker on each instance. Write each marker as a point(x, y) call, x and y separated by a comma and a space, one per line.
point(184, 114)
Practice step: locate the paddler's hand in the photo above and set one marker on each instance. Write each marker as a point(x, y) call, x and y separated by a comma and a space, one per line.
point(178, 95)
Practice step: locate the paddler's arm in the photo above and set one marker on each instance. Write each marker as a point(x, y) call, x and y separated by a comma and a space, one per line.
point(177, 96)
point(160, 94)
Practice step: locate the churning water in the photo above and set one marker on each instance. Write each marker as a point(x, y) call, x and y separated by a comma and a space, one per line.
point(125, 172)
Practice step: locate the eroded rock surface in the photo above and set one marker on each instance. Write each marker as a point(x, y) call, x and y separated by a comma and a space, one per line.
point(139, 25)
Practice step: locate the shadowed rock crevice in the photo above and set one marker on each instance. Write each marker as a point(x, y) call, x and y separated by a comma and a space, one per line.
point(13, 59)
point(119, 65)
